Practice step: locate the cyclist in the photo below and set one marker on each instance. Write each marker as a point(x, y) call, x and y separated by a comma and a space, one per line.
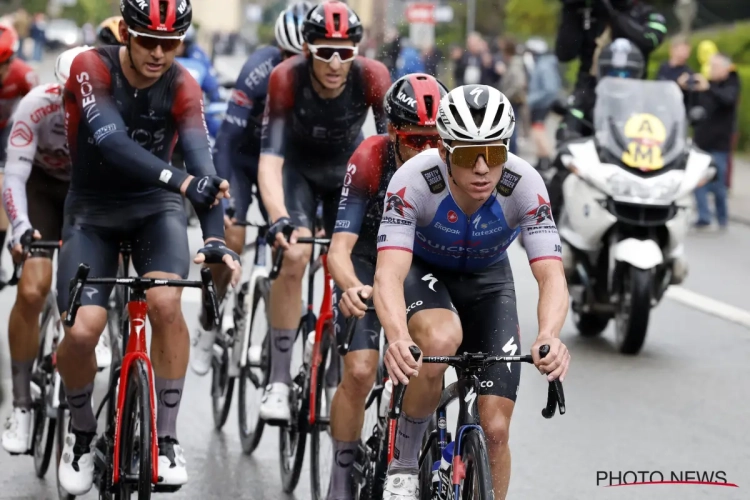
point(238, 142)
point(315, 109)
point(412, 106)
point(36, 182)
point(450, 216)
point(16, 80)
point(124, 108)
point(108, 32)
point(191, 48)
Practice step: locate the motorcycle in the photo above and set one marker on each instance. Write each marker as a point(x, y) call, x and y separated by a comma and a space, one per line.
point(627, 207)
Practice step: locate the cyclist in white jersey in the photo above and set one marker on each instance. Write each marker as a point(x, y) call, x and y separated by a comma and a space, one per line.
point(37, 174)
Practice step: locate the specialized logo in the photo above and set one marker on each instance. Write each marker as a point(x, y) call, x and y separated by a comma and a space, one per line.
point(543, 212)
point(470, 397)
point(434, 179)
point(508, 182)
point(476, 221)
point(21, 136)
point(452, 217)
point(476, 93)
point(431, 279)
point(396, 202)
point(510, 348)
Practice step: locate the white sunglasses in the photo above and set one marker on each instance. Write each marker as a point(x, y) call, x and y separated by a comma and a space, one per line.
point(326, 53)
point(137, 34)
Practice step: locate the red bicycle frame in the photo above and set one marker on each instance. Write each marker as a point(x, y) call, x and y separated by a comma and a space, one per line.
point(136, 349)
point(326, 315)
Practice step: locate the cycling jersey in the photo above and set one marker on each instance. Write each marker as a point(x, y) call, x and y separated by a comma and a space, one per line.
point(20, 80)
point(193, 51)
point(121, 139)
point(420, 209)
point(298, 120)
point(37, 141)
point(363, 194)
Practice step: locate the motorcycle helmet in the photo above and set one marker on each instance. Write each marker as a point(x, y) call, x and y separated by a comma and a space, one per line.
point(414, 100)
point(475, 113)
point(621, 59)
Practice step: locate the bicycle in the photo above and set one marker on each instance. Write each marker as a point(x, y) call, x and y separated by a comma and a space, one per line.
point(468, 475)
point(126, 454)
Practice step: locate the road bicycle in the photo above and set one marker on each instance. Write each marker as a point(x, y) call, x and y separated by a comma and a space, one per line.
point(468, 475)
point(126, 454)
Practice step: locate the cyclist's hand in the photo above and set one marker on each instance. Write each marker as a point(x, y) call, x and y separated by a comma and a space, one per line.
point(555, 364)
point(16, 247)
point(351, 303)
point(275, 235)
point(206, 191)
point(400, 363)
point(216, 252)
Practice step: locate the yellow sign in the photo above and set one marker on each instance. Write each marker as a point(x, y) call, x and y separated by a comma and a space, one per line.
point(647, 135)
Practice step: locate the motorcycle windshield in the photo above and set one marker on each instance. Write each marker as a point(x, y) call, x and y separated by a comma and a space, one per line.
point(641, 123)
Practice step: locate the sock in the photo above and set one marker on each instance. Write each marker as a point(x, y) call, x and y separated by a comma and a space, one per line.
point(281, 355)
point(409, 433)
point(341, 473)
point(21, 371)
point(81, 412)
point(168, 398)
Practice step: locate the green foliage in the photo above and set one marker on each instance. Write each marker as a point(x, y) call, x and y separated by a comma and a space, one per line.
point(527, 18)
point(91, 11)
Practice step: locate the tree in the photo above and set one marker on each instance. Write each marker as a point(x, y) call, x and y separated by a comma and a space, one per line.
point(532, 17)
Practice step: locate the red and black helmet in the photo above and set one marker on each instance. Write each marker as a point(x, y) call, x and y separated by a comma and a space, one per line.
point(9, 43)
point(332, 20)
point(414, 100)
point(166, 16)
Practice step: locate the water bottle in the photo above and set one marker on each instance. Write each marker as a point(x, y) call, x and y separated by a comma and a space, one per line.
point(385, 399)
point(309, 347)
point(441, 480)
point(436, 479)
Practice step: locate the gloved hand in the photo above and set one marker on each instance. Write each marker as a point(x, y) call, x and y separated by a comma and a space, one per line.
point(206, 191)
point(280, 231)
point(216, 252)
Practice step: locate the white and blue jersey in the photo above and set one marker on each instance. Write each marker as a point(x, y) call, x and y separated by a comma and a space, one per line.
point(421, 216)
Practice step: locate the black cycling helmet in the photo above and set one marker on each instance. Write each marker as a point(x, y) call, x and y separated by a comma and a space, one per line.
point(164, 16)
point(332, 20)
point(108, 32)
point(414, 100)
point(622, 59)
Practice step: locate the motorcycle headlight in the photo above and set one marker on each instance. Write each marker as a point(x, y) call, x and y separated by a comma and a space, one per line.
point(658, 190)
point(623, 186)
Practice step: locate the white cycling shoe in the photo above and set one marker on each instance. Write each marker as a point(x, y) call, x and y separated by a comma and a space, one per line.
point(172, 464)
point(202, 351)
point(274, 406)
point(401, 486)
point(103, 352)
point(17, 430)
point(76, 472)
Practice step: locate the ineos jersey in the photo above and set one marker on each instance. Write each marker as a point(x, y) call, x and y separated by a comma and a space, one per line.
point(363, 195)
point(420, 215)
point(297, 120)
point(20, 80)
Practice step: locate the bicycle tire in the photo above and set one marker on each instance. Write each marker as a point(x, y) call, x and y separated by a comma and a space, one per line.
point(375, 463)
point(136, 412)
point(431, 456)
point(43, 439)
point(293, 437)
point(250, 434)
point(318, 475)
point(222, 385)
point(63, 422)
point(477, 484)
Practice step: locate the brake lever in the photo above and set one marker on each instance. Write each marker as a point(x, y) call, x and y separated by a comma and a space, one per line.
point(400, 390)
point(76, 288)
point(279, 259)
point(211, 302)
point(555, 394)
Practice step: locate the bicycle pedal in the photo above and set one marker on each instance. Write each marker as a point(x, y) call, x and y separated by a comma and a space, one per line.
point(165, 488)
point(277, 423)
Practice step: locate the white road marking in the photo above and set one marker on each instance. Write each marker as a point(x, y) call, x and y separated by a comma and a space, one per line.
point(709, 305)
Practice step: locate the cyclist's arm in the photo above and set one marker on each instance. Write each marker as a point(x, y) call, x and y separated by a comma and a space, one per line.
point(395, 245)
point(210, 86)
point(360, 185)
point(531, 211)
point(279, 104)
point(191, 123)
point(88, 100)
point(378, 81)
point(19, 163)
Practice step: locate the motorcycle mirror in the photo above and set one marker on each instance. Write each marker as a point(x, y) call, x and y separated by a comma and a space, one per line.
point(560, 107)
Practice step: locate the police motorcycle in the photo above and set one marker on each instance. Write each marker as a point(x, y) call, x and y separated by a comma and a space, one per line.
point(627, 205)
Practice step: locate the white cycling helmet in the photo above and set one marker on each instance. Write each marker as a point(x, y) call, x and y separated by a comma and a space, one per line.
point(289, 27)
point(65, 61)
point(475, 113)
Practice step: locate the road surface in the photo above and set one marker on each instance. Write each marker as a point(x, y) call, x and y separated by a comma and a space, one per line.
point(677, 407)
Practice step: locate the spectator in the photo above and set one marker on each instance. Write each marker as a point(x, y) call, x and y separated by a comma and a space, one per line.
point(475, 65)
point(38, 28)
point(545, 85)
point(679, 53)
point(409, 60)
point(391, 50)
point(432, 57)
point(22, 24)
point(717, 97)
point(513, 84)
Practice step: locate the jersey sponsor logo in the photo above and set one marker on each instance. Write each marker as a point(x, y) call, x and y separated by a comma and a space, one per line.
point(259, 74)
point(38, 114)
point(395, 221)
point(434, 179)
point(412, 306)
point(241, 99)
point(351, 169)
point(22, 135)
point(446, 229)
point(54, 89)
point(409, 101)
point(460, 249)
point(10, 205)
point(476, 221)
point(235, 120)
point(105, 131)
point(452, 217)
point(147, 139)
point(487, 233)
point(431, 279)
point(89, 100)
point(382, 238)
point(486, 384)
point(342, 224)
point(165, 175)
point(508, 182)
point(543, 212)
point(396, 202)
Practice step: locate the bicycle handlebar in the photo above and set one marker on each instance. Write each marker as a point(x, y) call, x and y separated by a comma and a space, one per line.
point(279, 259)
point(555, 394)
point(81, 279)
point(28, 244)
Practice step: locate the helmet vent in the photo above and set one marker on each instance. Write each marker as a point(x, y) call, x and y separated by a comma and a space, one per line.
point(498, 115)
point(456, 116)
point(163, 6)
point(336, 21)
point(428, 104)
point(478, 116)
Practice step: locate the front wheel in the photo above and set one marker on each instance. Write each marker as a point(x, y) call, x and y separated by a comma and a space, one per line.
point(63, 422)
point(293, 436)
point(477, 485)
point(321, 446)
point(591, 324)
point(634, 309)
point(135, 439)
point(222, 387)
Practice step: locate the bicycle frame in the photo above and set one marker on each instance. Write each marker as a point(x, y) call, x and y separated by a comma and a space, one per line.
point(136, 349)
point(325, 315)
point(260, 270)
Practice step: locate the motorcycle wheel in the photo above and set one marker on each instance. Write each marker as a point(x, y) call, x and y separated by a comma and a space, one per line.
point(591, 324)
point(634, 309)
